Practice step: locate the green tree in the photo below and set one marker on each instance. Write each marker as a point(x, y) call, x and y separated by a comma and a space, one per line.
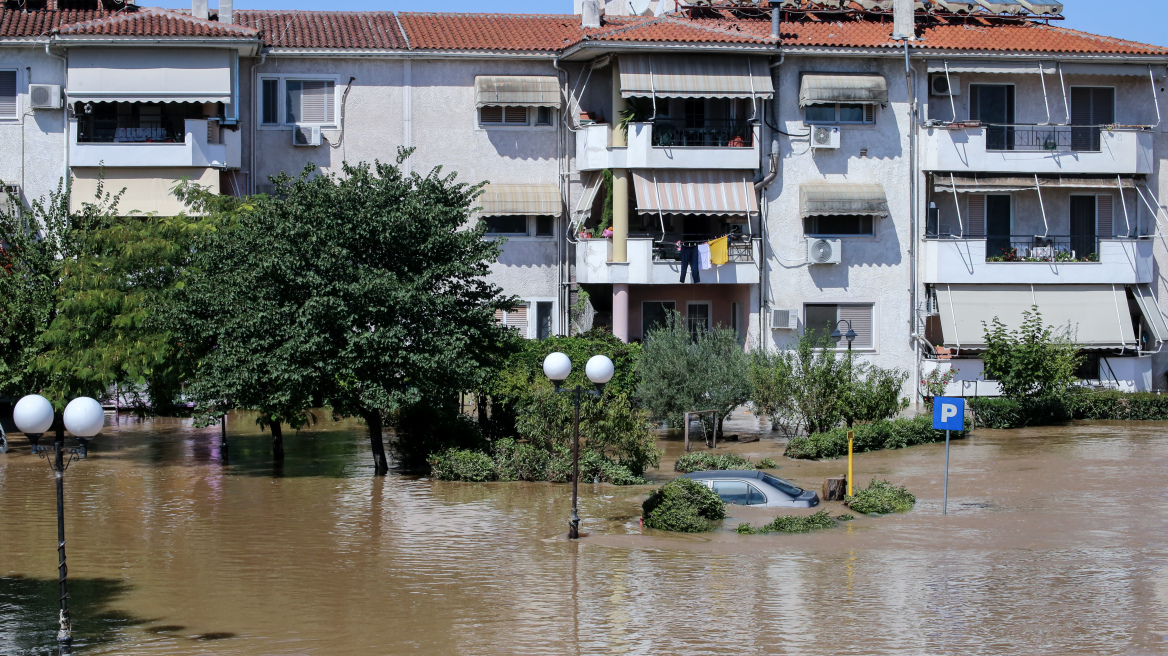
point(682, 371)
point(1033, 361)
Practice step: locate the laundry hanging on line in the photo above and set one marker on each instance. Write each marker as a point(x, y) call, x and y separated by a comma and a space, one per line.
point(719, 251)
point(689, 260)
point(704, 255)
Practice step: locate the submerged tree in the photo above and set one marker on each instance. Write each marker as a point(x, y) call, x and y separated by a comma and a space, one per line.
point(1033, 361)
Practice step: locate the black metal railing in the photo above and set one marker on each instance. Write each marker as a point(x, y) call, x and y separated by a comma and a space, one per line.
point(1049, 248)
point(1049, 138)
point(739, 249)
point(112, 131)
point(710, 133)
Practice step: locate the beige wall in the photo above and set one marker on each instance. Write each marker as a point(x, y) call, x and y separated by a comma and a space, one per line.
point(147, 189)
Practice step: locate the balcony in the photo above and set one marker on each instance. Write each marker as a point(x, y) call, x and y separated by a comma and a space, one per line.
point(670, 145)
point(1039, 149)
point(654, 265)
point(1038, 261)
point(204, 144)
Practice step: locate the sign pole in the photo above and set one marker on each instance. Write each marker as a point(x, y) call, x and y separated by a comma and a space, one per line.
point(945, 496)
point(850, 436)
point(948, 415)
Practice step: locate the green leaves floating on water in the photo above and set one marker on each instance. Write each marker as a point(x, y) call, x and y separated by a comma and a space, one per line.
point(791, 524)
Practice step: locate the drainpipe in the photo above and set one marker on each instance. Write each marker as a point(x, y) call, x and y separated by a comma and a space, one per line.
point(620, 213)
point(64, 116)
point(255, 89)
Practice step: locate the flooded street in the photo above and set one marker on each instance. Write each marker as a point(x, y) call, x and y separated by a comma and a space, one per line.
point(1056, 543)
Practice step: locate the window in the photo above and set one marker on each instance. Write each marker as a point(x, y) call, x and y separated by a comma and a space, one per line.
point(543, 320)
point(8, 94)
point(654, 314)
point(543, 115)
point(732, 492)
point(271, 102)
point(837, 225)
point(516, 319)
point(754, 495)
point(821, 319)
point(506, 225)
point(840, 113)
point(1093, 106)
point(509, 115)
point(309, 102)
point(697, 318)
point(993, 105)
point(545, 226)
point(125, 122)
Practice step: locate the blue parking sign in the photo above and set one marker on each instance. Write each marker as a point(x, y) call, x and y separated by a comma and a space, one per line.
point(948, 413)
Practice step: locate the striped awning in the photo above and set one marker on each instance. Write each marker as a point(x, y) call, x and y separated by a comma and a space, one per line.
point(511, 199)
point(983, 184)
point(842, 199)
point(1151, 310)
point(695, 76)
point(694, 191)
point(517, 90)
point(853, 89)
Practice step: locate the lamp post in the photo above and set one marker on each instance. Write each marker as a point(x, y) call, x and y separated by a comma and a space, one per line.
point(84, 418)
point(851, 337)
point(557, 367)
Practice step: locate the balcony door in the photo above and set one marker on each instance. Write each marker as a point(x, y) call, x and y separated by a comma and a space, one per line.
point(1090, 106)
point(993, 105)
point(1083, 226)
point(998, 221)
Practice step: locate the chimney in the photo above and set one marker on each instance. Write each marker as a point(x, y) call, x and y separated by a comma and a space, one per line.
point(590, 14)
point(225, 12)
point(199, 9)
point(904, 20)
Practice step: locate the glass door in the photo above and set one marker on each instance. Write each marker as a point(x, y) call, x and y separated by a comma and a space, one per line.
point(998, 226)
point(993, 105)
point(1082, 226)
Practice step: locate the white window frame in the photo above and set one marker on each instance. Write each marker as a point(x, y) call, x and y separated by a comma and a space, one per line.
point(874, 304)
point(532, 113)
point(533, 315)
point(837, 121)
point(16, 117)
point(282, 95)
point(709, 313)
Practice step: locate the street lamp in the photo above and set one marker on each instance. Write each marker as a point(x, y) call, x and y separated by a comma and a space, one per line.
point(850, 336)
point(599, 370)
point(84, 418)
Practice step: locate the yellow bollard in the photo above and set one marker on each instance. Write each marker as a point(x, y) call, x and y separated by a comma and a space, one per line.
point(851, 434)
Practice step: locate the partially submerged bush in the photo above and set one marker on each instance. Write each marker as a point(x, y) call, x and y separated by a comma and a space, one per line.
point(683, 505)
point(881, 498)
point(845, 517)
point(791, 524)
point(462, 465)
point(1010, 413)
point(894, 434)
point(767, 463)
point(518, 461)
point(706, 461)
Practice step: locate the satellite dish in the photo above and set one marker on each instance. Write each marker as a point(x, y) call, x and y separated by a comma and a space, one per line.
point(638, 7)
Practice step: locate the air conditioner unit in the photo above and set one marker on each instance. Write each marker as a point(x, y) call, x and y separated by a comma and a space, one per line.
point(784, 319)
point(44, 96)
point(825, 136)
point(305, 135)
point(945, 85)
point(823, 251)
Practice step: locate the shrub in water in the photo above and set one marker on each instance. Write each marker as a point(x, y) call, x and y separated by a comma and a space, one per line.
point(845, 517)
point(1017, 413)
point(881, 498)
point(885, 434)
point(683, 505)
point(516, 461)
point(791, 524)
point(692, 462)
point(767, 463)
point(462, 465)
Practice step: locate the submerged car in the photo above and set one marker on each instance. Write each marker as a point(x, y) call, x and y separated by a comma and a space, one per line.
point(754, 488)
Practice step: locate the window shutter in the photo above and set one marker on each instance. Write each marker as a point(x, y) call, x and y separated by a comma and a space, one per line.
point(1103, 214)
point(515, 115)
point(491, 114)
point(1103, 105)
point(974, 107)
point(869, 113)
point(517, 319)
point(861, 318)
point(7, 94)
point(316, 101)
point(500, 316)
point(977, 215)
point(1081, 106)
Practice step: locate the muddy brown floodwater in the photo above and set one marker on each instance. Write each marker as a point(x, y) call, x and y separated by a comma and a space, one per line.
point(1056, 543)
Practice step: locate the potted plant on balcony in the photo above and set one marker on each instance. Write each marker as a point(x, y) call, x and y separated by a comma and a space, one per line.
point(637, 110)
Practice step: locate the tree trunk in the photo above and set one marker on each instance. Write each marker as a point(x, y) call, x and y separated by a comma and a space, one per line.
point(380, 464)
point(277, 441)
point(718, 430)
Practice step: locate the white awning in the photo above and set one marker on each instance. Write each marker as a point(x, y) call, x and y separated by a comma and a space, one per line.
point(517, 90)
point(694, 191)
point(149, 75)
point(1093, 316)
point(695, 76)
point(842, 199)
point(514, 199)
point(1151, 311)
point(853, 89)
point(985, 184)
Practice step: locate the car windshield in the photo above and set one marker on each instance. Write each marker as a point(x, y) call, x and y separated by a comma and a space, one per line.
point(783, 485)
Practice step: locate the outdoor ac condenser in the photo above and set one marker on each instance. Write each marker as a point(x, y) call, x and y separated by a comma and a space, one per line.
point(44, 96)
point(945, 85)
point(823, 251)
point(784, 319)
point(825, 136)
point(305, 135)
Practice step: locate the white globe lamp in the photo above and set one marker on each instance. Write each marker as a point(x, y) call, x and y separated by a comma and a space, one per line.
point(33, 415)
point(599, 370)
point(557, 366)
point(84, 417)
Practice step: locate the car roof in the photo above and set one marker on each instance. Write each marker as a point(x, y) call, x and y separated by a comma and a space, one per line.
point(725, 473)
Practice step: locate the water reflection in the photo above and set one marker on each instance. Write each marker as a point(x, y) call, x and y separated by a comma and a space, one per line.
point(1053, 544)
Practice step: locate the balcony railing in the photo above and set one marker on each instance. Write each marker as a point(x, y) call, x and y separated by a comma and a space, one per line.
point(1047, 138)
point(1030, 149)
point(736, 251)
point(1048, 248)
point(709, 133)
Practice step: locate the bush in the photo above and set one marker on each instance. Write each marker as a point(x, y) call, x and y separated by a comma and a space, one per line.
point(516, 461)
point(767, 463)
point(881, 498)
point(1034, 361)
point(1117, 405)
point(845, 517)
point(791, 524)
point(692, 462)
point(683, 505)
point(894, 434)
point(462, 465)
point(425, 428)
point(991, 412)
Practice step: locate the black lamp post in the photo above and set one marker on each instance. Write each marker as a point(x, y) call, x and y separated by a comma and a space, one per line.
point(84, 418)
point(599, 370)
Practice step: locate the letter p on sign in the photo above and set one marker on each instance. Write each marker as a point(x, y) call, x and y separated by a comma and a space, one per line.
point(948, 413)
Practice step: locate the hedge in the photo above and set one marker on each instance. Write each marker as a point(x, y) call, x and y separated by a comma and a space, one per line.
point(683, 505)
point(1079, 404)
point(517, 461)
point(884, 434)
point(791, 524)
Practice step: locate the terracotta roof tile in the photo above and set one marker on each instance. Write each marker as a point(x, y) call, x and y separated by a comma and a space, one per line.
point(325, 29)
point(499, 32)
point(154, 22)
point(17, 24)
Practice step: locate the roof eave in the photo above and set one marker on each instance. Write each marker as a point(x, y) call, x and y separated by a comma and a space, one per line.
point(245, 45)
point(589, 48)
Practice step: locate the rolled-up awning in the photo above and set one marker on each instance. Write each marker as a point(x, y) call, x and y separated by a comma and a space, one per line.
point(983, 184)
point(695, 76)
point(1151, 311)
point(993, 67)
point(694, 191)
point(842, 198)
point(853, 89)
point(517, 90)
point(505, 199)
point(137, 75)
point(1093, 316)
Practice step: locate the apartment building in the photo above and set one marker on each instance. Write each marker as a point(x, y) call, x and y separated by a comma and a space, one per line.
point(899, 190)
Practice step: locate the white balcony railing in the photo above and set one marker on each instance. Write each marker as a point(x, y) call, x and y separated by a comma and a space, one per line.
point(1120, 261)
point(196, 150)
point(594, 150)
point(1038, 149)
point(593, 265)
